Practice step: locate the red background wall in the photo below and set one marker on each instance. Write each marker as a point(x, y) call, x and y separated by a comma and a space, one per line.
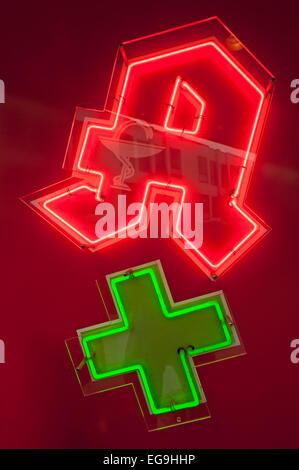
point(53, 58)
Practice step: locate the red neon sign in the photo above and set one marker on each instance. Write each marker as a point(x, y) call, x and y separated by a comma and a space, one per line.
point(199, 103)
point(217, 110)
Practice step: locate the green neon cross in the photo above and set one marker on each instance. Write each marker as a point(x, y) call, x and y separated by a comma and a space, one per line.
point(153, 337)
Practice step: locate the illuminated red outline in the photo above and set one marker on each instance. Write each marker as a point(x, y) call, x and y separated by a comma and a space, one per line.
point(171, 107)
point(147, 190)
point(235, 195)
point(198, 46)
point(112, 234)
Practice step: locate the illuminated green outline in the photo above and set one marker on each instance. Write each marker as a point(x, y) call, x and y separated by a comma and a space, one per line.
point(138, 367)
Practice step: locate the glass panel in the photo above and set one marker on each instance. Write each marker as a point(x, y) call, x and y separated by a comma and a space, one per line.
point(154, 345)
point(183, 118)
